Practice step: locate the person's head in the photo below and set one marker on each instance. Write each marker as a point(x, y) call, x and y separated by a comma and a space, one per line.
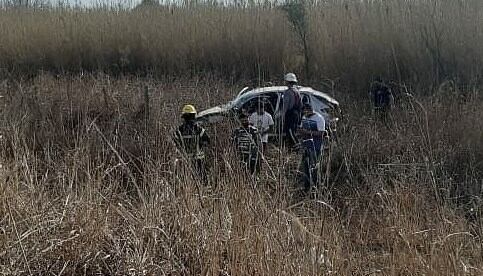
point(308, 109)
point(243, 118)
point(188, 113)
point(290, 79)
point(305, 100)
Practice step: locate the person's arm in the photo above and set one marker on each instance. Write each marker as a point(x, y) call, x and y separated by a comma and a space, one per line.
point(257, 138)
point(320, 132)
point(268, 129)
point(233, 137)
point(271, 123)
point(265, 130)
point(391, 99)
point(177, 138)
point(287, 101)
point(313, 133)
point(204, 138)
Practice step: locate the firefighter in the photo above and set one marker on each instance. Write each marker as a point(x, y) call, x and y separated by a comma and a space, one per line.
point(190, 138)
point(247, 142)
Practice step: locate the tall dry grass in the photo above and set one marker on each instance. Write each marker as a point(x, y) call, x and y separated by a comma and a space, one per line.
point(91, 185)
point(425, 42)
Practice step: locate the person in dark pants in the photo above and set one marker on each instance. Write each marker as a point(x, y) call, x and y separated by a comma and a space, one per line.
point(247, 142)
point(382, 99)
point(190, 139)
point(312, 132)
point(292, 109)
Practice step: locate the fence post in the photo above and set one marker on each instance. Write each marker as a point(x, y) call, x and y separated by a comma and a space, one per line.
point(146, 108)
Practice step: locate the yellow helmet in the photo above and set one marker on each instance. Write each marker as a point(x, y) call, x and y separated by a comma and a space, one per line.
point(188, 109)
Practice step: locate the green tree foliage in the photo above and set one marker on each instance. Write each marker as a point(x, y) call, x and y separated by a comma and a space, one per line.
point(297, 16)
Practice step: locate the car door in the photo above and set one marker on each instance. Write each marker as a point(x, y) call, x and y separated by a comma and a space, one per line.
point(277, 102)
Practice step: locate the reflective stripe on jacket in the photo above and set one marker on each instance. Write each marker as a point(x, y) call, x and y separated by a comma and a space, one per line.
point(190, 138)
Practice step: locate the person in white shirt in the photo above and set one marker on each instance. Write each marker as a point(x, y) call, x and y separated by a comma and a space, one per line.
point(263, 121)
point(313, 126)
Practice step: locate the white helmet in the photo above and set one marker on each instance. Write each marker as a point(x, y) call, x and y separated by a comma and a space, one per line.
point(290, 77)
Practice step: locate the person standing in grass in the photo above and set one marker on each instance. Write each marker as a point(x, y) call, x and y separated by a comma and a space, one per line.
point(382, 99)
point(247, 142)
point(312, 132)
point(263, 121)
point(291, 109)
point(313, 127)
point(190, 139)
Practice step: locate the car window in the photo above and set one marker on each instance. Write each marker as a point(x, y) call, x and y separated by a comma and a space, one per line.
point(242, 100)
point(305, 99)
point(319, 104)
point(250, 106)
point(269, 100)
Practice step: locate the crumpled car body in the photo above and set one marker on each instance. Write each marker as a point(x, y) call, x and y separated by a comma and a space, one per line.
point(248, 99)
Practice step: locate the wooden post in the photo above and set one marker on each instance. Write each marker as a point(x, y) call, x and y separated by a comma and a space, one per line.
point(146, 108)
point(146, 122)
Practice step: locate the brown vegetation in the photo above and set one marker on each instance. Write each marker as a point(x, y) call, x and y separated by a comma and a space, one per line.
point(90, 182)
point(90, 185)
point(423, 42)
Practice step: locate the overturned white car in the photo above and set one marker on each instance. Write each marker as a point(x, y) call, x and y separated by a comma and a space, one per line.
point(248, 99)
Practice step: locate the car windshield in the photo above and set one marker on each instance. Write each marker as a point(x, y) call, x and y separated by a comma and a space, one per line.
point(320, 100)
point(238, 102)
point(257, 92)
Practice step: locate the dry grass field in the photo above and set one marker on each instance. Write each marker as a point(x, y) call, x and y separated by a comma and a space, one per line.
point(90, 183)
point(419, 41)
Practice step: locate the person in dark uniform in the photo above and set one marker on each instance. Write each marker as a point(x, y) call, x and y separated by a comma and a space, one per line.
point(382, 99)
point(291, 109)
point(190, 139)
point(247, 142)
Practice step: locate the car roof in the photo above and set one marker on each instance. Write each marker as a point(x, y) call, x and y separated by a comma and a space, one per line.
point(303, 89)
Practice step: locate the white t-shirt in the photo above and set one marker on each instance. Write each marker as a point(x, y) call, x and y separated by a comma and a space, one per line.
point(314, 122)
point(317, 119)
point(262, 123)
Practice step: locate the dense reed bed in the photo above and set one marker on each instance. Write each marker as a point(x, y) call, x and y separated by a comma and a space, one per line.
point(422, 42)
point(90, 184)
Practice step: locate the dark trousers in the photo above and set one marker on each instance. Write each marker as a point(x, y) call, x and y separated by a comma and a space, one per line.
point(199, 168)
point(291, 124)
point(310, 162)
point(252, 163)
point(382, 114)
